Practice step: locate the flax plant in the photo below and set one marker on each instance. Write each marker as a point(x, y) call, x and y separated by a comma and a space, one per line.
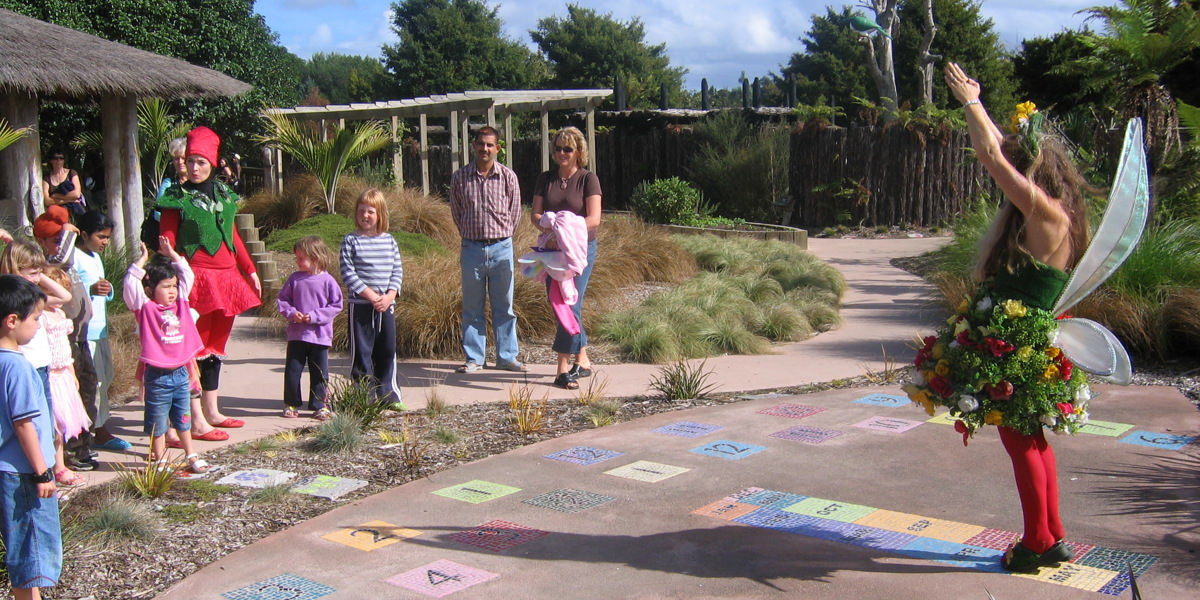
point(9, 135)
point(152, 480)
point(528, 415)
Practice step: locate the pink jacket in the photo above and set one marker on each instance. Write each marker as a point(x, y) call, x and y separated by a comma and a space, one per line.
point(168, 333)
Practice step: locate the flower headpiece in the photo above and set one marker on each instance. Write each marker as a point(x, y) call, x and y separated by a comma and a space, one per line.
point(1027, 123)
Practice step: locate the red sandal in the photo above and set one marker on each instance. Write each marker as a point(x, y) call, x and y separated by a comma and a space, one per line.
point(230, 423)
point(215, 435)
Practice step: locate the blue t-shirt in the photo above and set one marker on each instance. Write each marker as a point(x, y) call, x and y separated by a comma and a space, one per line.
point(22, 396)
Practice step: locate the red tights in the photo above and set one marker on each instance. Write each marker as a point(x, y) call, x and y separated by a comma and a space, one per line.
point(214, 328)
point(1037, 484)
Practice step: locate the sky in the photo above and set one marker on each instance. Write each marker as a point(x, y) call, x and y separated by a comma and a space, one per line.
point(713, 39)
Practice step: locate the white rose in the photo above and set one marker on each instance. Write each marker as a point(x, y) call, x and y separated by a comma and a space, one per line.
point(917, 377)
point(985, 304)
point(1048, 420)
point(968, 403)
point(1082, 420)
point(1083, 394)
point(954, 344)
point(1052, 336)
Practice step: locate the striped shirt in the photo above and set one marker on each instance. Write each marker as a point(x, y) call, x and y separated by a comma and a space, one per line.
point(485, 207)
point(370, 261)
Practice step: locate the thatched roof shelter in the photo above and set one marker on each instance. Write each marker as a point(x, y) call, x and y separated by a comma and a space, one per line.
point(100, 70)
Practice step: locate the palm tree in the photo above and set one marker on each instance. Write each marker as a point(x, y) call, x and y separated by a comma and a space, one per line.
point(1142, 41)
point(9, 136)
point(325, 159)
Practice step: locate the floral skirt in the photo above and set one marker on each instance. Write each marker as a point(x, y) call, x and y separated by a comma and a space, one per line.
point(994, 363)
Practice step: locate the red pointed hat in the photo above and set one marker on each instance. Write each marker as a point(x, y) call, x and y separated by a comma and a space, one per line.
point(204, 141)
point(50, 223)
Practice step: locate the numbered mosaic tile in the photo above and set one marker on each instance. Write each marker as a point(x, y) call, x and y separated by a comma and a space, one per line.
point(1117, 560)
point(744, 493)
point(955, 554)
point(498, 536)
point(884, 400)
point(792, 411)
point(584, 455)
point(831, 509)
point(280, 587)
point(942, 419)
point(568, 500)
point(888, 424)
point(761, 396)
point(1117, 585)
point(725, 509)
point(644, 470)
point(1160, 441)
point(771, 518)
point(1072, 575)
point(950, 531)
point(1106, 428)
point(256, 478)
point(804, 433)
point(729, 450)
point(477, 491)
point(371, 535)
point(849, 533)
point(772, 499)
point(326, 486)
point(440, 578)
point(687, 429)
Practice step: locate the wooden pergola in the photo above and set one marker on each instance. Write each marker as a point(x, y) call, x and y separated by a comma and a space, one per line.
point(458, 108)
point(40, 60)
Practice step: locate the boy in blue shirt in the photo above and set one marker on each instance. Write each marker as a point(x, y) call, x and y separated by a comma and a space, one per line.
point(28, 506)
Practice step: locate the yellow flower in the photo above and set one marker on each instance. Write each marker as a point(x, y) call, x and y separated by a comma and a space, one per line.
point(928, 404)
point(911, 390)
point(938, 351)
point(1051, 373)
point(963, 306)
point(1053, 353)
point(1014, 308)
point(994, 417)
point(961, 326)
point(1025, 352)
point(928, 374)
point(942, 368)
point(1024, 111)
point(952, 320)
point(985, 331)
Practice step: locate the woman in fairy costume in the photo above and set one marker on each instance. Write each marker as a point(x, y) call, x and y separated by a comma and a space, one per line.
point(198, 219)
point(994, 363)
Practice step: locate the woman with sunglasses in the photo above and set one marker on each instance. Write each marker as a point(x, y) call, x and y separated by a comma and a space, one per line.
point(572, 188)
point(61, 185)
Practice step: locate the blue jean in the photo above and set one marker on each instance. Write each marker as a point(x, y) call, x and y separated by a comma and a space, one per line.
point(487, 270)
point(565, 343)
point(30, 529)
point(168, 397)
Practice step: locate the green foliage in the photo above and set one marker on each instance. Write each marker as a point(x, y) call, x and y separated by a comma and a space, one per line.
point(342, 434)
point(818, 111)
point(276, 493)
point(10, 135)
point(456, 45)
point(345, 78)
point(205, 490)
point(586, 49)
point(332, 228)
point(742, 169)
point(1039, 77)
point(121, 517)
point(683, 381)
point(353, 400)
point(833, 63)
point(116, 261)
point(181, 513)
point(326, 159)
point(602, 412)
point(665, 200)
point(444, 434)
point(149, 481)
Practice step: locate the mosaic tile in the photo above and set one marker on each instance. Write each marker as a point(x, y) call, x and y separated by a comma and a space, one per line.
point(256, 478)
point(644, 470)
point(1072, 575)
point(1117, 585)
point(569, 500)
point(955, 554)
point(498, 536)
point(996, 539)
point(477, 491)
point(371, 535)
point(772, 499)
point(724, 509)
point(804, 433)
point(440, 578)
point(584, 455)
point(791, 411)
point(745, 493)
point(327, 486)
point(771, 518)
point(687, 429)
point(1117, 560)
point(1106, 428)
point(728, 449)
point(281, 587)
point(883, 400)
point(888, 424)
point(942, 419)
point(1160, 441)
point(950, 531)
point(831, 509)
point(850, 533)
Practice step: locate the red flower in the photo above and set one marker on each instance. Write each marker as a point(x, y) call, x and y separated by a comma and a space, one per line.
point(1065, 315)
point(930, 340)
point(1000, 391)
point(964, 338)
point(941, 386)
point(1065, 408)
point(962, 428)
point(998, 347)
point(1065, 366)
point(922, 356)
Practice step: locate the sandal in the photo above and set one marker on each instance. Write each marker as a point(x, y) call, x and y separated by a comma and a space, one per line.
point(175, 444)
point(71, 480)
point(566, 381)
point(322, 414)
point(1020, 559)
point(216, 435)
point(230, 423)
point(196, 464)
point(579, 372)
point(291, 412)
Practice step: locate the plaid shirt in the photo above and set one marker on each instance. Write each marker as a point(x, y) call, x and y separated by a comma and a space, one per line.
point(485, 207)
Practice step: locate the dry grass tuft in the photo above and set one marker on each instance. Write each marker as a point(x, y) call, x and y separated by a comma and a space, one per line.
point(594, 392)
point(528, 415)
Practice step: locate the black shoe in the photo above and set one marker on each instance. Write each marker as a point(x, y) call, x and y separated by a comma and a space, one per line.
point(82, 465)
point(579, 372)
point(1060, 552)
point(1020, 559)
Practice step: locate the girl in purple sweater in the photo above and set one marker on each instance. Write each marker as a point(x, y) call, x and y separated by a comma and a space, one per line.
point(309, 300)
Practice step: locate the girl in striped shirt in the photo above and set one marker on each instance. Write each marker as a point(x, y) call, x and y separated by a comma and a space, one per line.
point(372, 273)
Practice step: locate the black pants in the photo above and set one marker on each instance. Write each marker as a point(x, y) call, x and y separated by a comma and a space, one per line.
point(373, 349)
point(85, 372)
point(317, 358)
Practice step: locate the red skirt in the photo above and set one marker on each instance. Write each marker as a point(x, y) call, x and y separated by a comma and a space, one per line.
point(224, 290)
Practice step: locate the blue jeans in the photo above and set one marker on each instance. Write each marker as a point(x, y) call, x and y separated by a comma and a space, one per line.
point(565, 343)
point(487, 270)
point(31, 533)
point(168, 397)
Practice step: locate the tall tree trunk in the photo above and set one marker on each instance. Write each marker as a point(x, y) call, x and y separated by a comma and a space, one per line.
point(881, 64)
point(927, 59)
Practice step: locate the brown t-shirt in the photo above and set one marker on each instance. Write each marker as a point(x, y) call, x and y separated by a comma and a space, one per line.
point(557, 197)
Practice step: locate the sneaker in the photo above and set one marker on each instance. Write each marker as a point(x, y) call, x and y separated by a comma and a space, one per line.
point(322, 414)
point(397, 406)
point(291, 413)
point(515, 365)
point(77, 464)
point(115, 445)
point(468, 367)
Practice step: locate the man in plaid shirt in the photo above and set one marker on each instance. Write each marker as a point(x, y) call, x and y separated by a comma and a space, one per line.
point(485, 201)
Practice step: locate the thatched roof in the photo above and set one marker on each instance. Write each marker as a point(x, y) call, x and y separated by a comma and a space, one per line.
point(49, 60)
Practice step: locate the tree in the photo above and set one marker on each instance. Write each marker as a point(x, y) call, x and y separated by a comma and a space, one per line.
point(10, 135)
point(1041, 79)
point(456, 45)
point(833, 64)
point(587, 49)
point(880, 62)
point(156, 128)
point(344, 78)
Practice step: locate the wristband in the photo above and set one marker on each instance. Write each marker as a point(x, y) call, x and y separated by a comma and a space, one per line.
point(970, 102)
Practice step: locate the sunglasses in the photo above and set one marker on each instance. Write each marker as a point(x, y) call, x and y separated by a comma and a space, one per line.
point(564, 149)
point(58, 158)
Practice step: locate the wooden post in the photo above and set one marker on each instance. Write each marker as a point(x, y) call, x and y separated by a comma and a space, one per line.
point(397, 153)
point(22, 161)
point(508, 140)
point(705, 94)
point(454, 150)
point(324, 132)
point(341, 124)
point(745, 93)
point(757, 92)
point(424, 155)
point(132, 183)
point(269, 170)
point(619, 87)
point(464, 130)
point(111, 118)
point(591, 136)
point(491, 115)
point(545, 139)
point(664, 101)
point(279, 168)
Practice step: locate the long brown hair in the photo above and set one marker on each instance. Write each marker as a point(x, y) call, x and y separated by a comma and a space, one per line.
point(1055, 173)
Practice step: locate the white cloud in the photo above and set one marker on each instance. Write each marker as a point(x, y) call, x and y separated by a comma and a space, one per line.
point(321, 37)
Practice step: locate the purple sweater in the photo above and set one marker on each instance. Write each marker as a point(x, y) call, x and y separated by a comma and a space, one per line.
point(320, 297)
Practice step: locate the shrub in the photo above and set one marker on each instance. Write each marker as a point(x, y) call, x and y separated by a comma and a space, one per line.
point(121, 517)
point(682, 381)
point(742, 168)
point(444, 434)
point(342, 434)
point(665, 201)
point(351, 398)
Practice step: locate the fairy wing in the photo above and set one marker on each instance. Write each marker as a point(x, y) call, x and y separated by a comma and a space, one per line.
point(1121, 227)
point(1093, 348)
